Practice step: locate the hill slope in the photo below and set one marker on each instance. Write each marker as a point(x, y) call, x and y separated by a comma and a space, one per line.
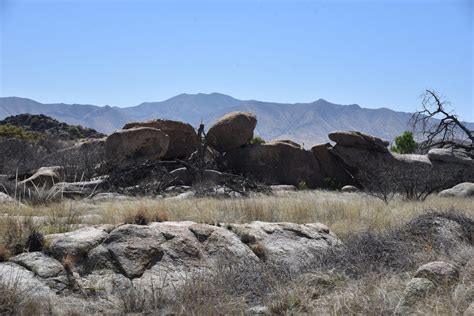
point(307, 123)
point(42, 124)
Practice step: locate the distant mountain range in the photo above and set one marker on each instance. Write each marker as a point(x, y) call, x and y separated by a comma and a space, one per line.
point(307, 123)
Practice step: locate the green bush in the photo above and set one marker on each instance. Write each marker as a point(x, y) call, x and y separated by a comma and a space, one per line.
point(405, 144)
point(302, 185)
point(257, 140)
point(11, 131)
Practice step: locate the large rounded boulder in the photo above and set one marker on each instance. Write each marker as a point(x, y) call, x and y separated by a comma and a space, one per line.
point(232, 131)
point(276, 163)
point(140, 143)
point(183, 138)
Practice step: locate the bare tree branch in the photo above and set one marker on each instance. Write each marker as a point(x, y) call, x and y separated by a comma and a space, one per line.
point(446, 130)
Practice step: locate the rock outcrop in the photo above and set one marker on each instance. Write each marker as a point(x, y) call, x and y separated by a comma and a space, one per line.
point(183, 138)
point(109, 262)
point(231, 131)
point(359, 140)
point(135, 144)
point(44, 125)
point(276, 163)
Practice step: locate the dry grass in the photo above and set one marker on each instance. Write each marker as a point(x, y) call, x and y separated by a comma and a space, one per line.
point(372, 289)
point(344, 213)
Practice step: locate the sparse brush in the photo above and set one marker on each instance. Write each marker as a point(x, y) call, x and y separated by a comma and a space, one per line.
point(69, 264)
point(4, 253)
point(259, 250)
point(61, 219)
point(159, 216)
point(140, 217)
point(143, 216)
point(17, 232)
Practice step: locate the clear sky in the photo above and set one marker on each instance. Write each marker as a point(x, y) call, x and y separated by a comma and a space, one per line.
point(122, 53)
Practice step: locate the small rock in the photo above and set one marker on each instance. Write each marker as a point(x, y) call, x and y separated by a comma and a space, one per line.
point(183, 196)
point(5, 198)
point(465, 190)
point(439, 272)
point(282, 187)
point(258, 310)
point(109, 196)
point(349, 189)
point(416, 290)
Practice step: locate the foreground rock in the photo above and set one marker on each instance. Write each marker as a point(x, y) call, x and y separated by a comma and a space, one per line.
point(140, 143)
point(183, 138)
point(276, 163)
point(231, 131)
point(464, 190)
point(110, 262)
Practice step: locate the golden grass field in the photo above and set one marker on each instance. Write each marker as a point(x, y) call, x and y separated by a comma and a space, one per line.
point(344, 213)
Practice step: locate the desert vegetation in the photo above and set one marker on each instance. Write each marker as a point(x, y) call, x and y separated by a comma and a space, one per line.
point(160, 218)
point(384, 244)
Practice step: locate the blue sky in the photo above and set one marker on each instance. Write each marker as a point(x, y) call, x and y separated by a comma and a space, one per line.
point(122, 53)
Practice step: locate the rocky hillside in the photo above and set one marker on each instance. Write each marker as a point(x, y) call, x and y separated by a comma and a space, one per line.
point(307, 123)
point(42, 124)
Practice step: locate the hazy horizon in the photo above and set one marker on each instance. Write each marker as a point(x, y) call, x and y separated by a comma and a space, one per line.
point(122, 53)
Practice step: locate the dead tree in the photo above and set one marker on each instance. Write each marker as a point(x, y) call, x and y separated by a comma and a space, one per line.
point(439, 125)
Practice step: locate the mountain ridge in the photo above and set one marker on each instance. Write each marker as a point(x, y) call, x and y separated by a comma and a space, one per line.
point(307, 123)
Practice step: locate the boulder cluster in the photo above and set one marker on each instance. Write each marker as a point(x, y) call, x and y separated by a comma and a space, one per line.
point(280, 162)
point(228, 150)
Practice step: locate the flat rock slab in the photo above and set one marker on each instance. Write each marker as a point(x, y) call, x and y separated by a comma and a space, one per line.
point(78, 242)
point(39, 263)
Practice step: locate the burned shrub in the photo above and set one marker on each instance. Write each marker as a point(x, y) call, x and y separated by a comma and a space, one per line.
point(420, 240)
point(35, 241)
